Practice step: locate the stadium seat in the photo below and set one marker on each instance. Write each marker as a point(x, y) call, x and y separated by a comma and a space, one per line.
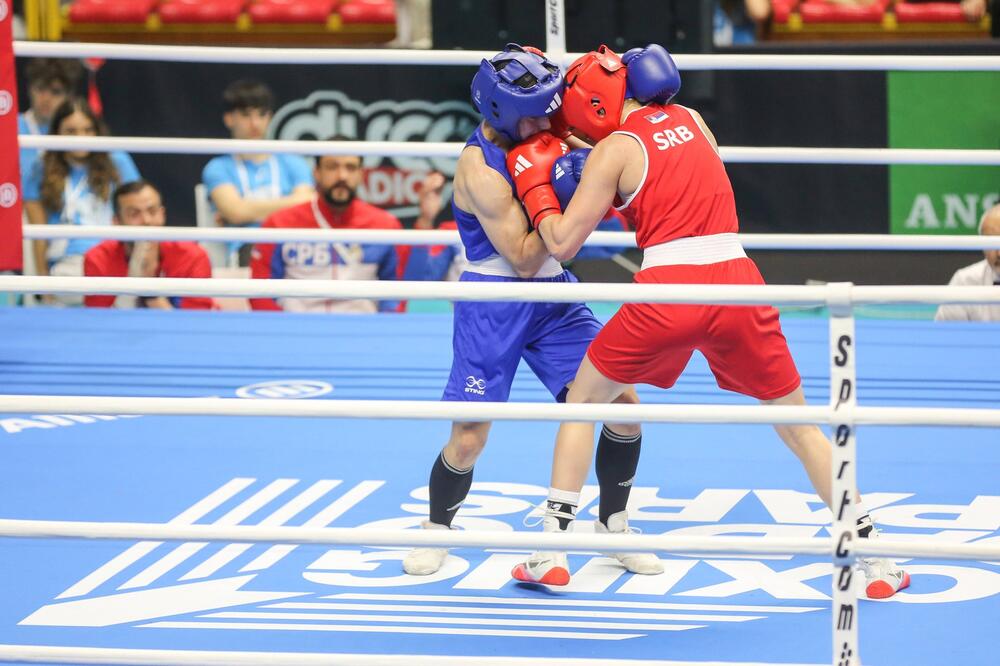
point(930, 12)
point(781, 10)
point(368, 11)
point(291, 11)
point(820, 11)
point(201, 11)
point(111, 11)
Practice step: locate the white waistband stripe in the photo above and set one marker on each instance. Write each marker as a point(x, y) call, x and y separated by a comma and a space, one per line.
point(499, 267)
point(696, 251)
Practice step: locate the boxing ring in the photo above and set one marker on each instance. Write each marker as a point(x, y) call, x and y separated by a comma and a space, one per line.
point(284, 471)
point(237, 488)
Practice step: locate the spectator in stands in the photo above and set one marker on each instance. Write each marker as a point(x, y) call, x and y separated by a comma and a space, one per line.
point(336, 206)
point(737, 22)
point(434, 262)
point(985, 272)
point(73, 187)
point(246, 188)
point(50, 82)
point(138, 203)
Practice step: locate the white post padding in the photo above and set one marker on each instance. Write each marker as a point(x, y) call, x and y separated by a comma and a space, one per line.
point(555, 29)
point(843, 403)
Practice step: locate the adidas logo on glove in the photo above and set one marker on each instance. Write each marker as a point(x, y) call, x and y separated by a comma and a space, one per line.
point(521, 165)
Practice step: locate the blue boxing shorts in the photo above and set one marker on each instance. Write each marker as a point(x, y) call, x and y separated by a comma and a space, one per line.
point(491, 338)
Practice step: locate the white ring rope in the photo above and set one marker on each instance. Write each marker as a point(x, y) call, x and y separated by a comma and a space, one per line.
point(396, 57)
point(352, 536)
point(151, 657)
point(499, 411)
point(833, 294)
point(730, 154)
point(623, 239)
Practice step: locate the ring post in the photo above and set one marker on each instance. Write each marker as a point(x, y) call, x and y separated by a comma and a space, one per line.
point(555, 30)
point(843, 400)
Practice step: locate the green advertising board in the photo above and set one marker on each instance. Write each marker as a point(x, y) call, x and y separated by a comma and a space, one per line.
point(942, 110)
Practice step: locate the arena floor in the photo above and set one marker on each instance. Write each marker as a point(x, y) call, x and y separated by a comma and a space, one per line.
point(930, 483)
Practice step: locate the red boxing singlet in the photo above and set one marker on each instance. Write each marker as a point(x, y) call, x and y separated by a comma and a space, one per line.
point(684, 214)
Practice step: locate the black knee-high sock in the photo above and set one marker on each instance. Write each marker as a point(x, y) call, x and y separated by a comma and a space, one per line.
point(448, 488)
point(617, 460)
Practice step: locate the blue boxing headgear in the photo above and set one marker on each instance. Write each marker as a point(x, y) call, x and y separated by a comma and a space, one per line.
point(516, 83)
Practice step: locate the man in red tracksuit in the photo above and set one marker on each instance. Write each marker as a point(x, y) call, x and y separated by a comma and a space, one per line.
point(139, 203)
point(336, 206)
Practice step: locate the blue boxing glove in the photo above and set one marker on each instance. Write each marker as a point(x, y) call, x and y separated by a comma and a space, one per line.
point(566, 174)
point(651, 75)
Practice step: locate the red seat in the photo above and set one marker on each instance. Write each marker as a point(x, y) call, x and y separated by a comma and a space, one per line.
point(111, 11)
point(819, 11)
point(291, 11)
point(931, 12)
point(201, 11)
point(782, 9)
point(368, 11)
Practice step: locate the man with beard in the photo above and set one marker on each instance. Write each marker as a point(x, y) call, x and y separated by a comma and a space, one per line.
point(336, 206)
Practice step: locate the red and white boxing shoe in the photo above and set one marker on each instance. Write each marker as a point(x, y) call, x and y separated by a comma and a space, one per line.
point(545, 567)
point(883, 577)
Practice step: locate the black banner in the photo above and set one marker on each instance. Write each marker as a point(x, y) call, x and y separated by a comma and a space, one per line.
point(431, 103)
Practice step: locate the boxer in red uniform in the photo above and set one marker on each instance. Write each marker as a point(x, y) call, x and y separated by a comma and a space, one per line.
point(658, 163)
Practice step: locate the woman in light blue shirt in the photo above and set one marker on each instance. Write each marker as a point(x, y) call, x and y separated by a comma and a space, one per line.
point(73, 187)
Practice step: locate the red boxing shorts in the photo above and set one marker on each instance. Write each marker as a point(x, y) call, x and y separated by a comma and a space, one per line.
point(646, 343)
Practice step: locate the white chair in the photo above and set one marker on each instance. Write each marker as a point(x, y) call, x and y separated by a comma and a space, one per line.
point(232, 303)
point(218, 253)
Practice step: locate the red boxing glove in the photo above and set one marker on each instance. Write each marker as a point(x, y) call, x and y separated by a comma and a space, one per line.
point(530, 166)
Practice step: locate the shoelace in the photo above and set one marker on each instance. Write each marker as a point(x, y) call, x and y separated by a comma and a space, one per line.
point(535, 517)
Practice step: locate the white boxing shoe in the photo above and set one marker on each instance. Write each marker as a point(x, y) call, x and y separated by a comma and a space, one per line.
point(426, 561)
point(646, 564)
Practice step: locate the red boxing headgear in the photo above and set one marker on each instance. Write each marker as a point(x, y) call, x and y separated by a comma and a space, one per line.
point(593, 97)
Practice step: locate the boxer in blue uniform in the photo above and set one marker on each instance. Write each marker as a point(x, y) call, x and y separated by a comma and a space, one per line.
point(515, 92)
